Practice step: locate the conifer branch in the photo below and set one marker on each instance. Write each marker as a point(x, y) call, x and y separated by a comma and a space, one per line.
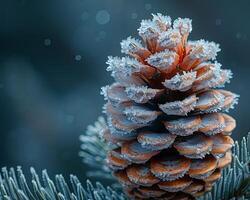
point(13, 186)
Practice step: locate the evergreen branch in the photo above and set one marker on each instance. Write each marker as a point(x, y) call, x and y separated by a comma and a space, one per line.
point(13, 186)
point(235, 181)
point(94, 150)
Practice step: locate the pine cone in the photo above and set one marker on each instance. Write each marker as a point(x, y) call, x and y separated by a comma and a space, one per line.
point(165, 115)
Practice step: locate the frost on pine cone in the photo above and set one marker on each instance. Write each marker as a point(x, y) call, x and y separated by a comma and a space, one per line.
point(165, 114)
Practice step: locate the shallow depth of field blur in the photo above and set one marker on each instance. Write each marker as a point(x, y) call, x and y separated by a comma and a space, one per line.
point(52, 65)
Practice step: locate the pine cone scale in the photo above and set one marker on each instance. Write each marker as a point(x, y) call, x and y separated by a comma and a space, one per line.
point(171, 167)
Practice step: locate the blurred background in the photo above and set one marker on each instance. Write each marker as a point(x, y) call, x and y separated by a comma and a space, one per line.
point(52, 65)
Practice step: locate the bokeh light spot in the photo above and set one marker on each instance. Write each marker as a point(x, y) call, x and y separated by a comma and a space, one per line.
point(47, 42)
point(78, 57)
point(102, 17)
point(238, 35)
point(218, 22)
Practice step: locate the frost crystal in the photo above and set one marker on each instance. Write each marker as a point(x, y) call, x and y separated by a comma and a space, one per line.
point(163, 22)
point(181, 82)
point(214, 78)
point(148, 29)
point(123, 65)
point(184, 25)
point(130, 45)
point(180, 108)
point(170, 38)
point(227, 74)
point(104, 92)
point(114, 63)
point(203, 50)
point(141, 94)
point(140, 115)
point(163, 60)
point(123, 69)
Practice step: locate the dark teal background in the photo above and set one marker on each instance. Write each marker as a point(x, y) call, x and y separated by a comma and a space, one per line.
point(52, 65)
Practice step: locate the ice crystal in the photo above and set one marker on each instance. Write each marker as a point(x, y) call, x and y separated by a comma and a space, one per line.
point(141, 94)
point(163, 22)
point(163, 60)
point(170, 38)
point(184, 25)
point(130, 45)
point(140, 114)
point(148, 29)
point(123, 68)
point(182, 82)
point(203, 50)
point(179, 107)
